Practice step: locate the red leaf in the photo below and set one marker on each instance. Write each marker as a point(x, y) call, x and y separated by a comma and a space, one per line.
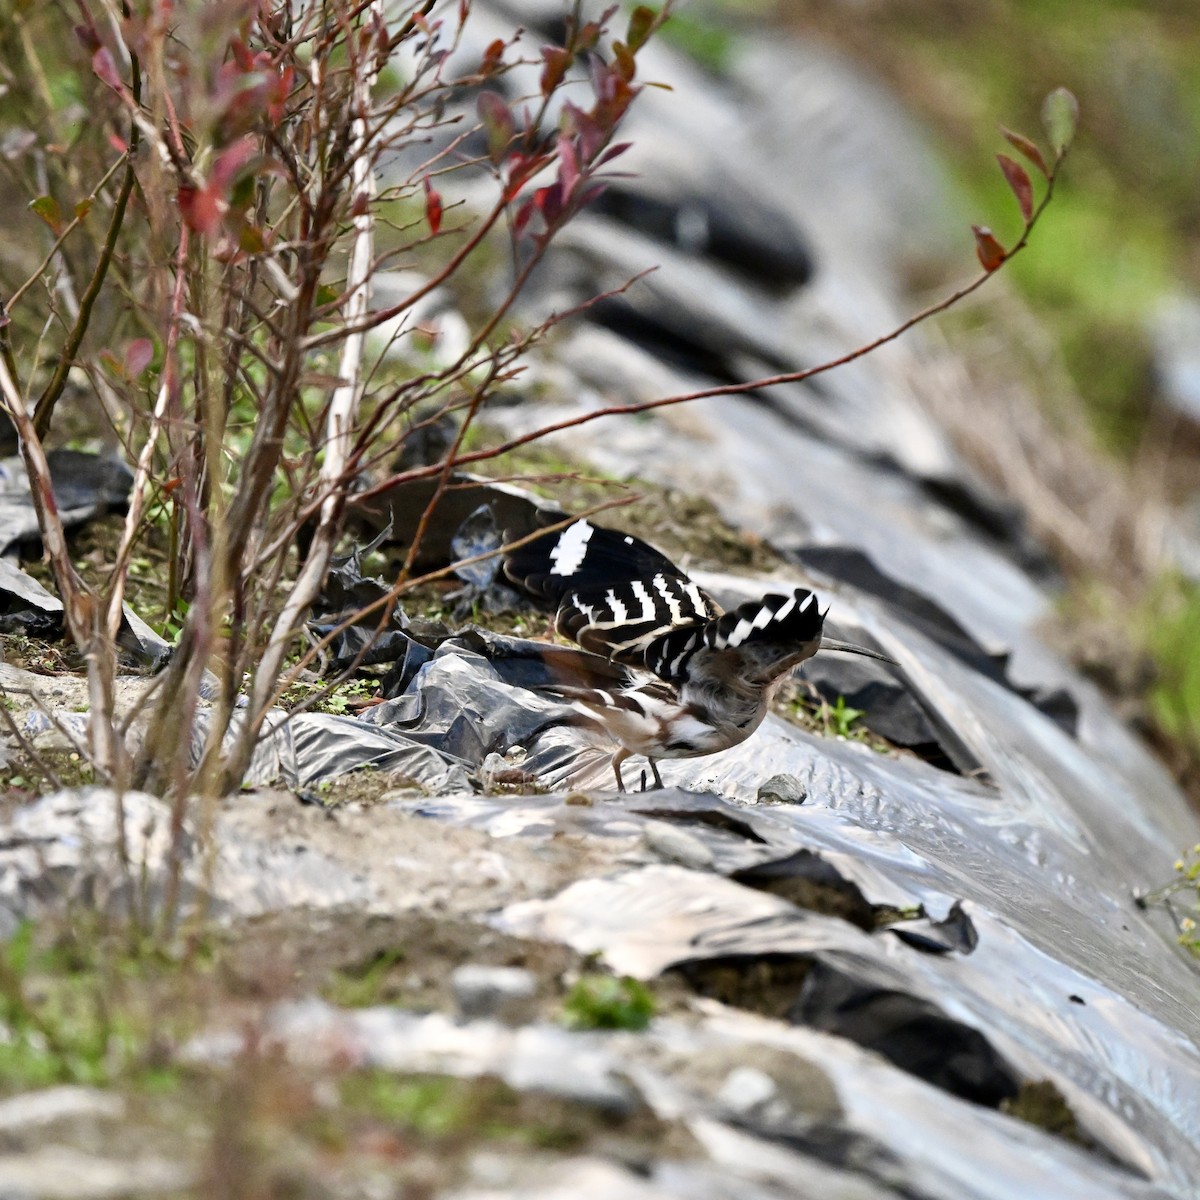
point(230, 162)
point(89, 39)
point(241, 54)
point(589, 134)
point(383, 41)
point(433, 207)
point(498, 124)
point(278, 93)
point(106, 69)
point(118, 144)
point(557, 61)
point(579, 39)
point(522, 218)
point(1018, 180)
point(201, 208)
point(613, 152)
point(991, 253)
point(522, 168)
point(493, 56)
point(549, 201)
point(138, 354)
point(588, 36)
point(1027, 148)
point(568, 165)
point(613, 96)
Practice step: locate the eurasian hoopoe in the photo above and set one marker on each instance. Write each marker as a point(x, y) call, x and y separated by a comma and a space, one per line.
point(696, 679)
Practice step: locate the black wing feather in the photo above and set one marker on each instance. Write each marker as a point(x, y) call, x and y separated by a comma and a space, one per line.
point(621, 598)
point(616, 595)
point(584, 557)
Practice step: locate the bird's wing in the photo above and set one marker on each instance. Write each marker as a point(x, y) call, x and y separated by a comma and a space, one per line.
point(757, 641)
point(617, 596)
point(626, 619)
point(583, 557)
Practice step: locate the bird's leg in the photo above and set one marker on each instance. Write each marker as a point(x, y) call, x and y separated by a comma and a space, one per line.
point(617, 759)
point(654, 771)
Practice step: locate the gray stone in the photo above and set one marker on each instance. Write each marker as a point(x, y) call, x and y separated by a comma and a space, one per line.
point(782, 789)
point(502, 993)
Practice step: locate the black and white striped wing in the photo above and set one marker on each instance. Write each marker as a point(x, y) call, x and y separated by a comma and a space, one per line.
point(617, 595)
point(626, 620)
point(756, 642)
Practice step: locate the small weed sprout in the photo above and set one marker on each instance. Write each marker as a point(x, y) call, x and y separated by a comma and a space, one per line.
point(608, 1002)
point(1187, 883)
point(840, 718)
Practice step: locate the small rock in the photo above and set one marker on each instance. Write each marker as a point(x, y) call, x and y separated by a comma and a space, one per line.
point(502, 993)
point(677, 845)
point(745, 1090)
point(500, 772)
point(782, 789)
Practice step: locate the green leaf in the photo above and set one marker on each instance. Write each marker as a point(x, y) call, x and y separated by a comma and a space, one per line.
point(498, 124)
point(47, 208)
point(626, 63)
point(19, 946)
point(1060, 116)
point(641, 25)
point(112, 364)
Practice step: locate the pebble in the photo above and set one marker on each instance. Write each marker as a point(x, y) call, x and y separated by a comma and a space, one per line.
point(782, 789)
point(502, 993)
